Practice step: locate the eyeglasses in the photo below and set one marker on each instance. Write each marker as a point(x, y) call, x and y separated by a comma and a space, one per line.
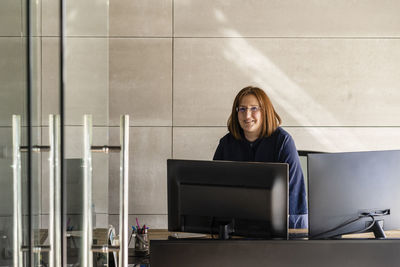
point(243, 110)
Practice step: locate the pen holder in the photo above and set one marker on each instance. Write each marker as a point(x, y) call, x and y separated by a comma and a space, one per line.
point(142, 243)
point(132, 240)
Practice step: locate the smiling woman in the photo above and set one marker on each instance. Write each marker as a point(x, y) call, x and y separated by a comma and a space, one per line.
point(255, 135)
point(250, 121)
point(255, 99)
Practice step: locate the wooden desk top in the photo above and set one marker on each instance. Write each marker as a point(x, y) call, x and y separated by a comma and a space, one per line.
point(389, 234)
point(162, 234)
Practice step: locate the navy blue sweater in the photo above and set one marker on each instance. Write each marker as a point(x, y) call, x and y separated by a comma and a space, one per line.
point(279, 147)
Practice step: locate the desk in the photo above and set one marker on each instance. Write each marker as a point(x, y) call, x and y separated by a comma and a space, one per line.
point(307, 253)
point(310, 253)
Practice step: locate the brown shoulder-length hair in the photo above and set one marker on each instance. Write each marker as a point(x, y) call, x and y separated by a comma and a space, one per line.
point(270, 119)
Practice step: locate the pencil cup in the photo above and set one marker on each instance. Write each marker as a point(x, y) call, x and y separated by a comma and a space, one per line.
point(142, 243)
point(132, 240)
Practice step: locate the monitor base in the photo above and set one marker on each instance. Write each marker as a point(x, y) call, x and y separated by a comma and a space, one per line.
point(377, 229)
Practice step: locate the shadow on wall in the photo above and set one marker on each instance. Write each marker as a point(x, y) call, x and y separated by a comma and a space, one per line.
point(260, 69)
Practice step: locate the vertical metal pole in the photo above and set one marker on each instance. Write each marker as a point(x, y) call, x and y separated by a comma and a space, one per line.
point(51, 191)
point(29, 114)
point(87, 240)
point(55, 192)
point(124, 191)
point(62, 66)
point(17, 196)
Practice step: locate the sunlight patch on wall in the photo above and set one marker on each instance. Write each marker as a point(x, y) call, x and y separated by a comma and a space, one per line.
point(281, 89)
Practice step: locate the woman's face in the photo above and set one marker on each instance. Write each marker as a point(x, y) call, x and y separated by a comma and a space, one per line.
point(249, 115)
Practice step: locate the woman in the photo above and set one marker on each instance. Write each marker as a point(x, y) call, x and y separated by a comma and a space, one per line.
point(255, 135)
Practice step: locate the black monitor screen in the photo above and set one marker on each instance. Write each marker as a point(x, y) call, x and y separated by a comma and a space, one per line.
point(241, 198)
point(353, 192)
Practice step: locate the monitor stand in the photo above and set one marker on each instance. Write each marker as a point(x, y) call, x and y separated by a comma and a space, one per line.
point(377, 229)
point(225, 229)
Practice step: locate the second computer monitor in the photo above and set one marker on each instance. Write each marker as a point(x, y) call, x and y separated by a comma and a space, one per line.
point(349, 191)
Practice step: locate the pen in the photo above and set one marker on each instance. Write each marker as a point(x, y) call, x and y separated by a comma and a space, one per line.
point(137, 223)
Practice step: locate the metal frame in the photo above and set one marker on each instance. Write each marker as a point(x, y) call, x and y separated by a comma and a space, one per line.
point(17, 189)
point(124, 191)
point(55, 192)
point(87, 235)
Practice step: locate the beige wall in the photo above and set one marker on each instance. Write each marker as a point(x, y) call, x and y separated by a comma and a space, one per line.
point(332, 69)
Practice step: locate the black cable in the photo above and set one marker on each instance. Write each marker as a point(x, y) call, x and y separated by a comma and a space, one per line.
point(346, 223)
point(372, 215)
point(377, 213)
point(359, 231)
point(362, 215)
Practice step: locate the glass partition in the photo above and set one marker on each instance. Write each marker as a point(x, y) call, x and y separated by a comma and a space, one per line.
point(54, 70)
point(86, 92)
point(14, 187)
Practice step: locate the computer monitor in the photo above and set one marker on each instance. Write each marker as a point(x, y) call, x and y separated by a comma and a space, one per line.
point(228, 198)
point(353, 192)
